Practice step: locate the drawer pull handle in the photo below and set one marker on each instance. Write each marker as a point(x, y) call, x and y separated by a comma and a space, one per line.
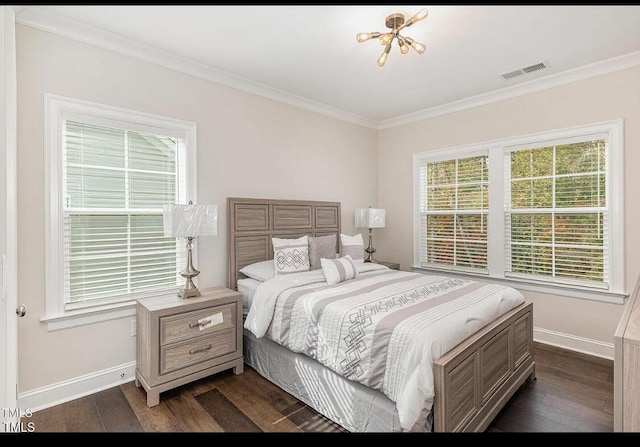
point(200, 323)
point(204, 348)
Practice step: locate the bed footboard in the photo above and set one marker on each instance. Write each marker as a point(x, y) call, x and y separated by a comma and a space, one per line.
point(474, 380)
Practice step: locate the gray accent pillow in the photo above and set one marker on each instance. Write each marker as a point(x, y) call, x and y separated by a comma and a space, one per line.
point(321, 247)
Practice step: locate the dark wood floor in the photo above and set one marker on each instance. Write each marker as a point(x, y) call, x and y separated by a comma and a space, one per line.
point(573, 393)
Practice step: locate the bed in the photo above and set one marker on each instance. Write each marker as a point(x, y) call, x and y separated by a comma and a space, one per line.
point(462, 388)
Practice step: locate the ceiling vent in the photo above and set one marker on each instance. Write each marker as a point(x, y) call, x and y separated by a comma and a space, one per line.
point(525, 70)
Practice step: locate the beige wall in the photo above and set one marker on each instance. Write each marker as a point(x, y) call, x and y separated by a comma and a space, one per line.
point(248, 146)
point(602, 98)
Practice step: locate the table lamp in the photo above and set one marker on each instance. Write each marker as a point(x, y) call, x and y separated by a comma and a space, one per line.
point(190, 221)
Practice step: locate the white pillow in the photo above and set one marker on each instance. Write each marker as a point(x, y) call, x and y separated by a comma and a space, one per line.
point(290, 255)
point(338, 270)
point(261, 271)
point(352, 246)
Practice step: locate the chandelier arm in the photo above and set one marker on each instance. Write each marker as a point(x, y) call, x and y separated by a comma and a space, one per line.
point(409, 22)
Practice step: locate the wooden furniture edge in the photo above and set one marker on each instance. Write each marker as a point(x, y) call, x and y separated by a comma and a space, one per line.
point(618, 359)
point(473, 345)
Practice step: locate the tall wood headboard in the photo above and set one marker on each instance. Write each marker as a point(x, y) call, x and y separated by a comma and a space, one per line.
point(251, 223)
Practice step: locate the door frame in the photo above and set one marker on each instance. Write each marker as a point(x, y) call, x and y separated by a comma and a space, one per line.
point(9, 411)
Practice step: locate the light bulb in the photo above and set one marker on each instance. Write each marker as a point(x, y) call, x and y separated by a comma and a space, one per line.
point(404, 48)
point(383, 57)
point(386, 38)
point(418, 46)
point(421, 15)
point(363, 37)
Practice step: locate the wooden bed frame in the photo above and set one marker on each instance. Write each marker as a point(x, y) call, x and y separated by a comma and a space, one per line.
point(472, 381)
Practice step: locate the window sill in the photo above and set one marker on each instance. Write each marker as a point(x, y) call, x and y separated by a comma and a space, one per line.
point(85, 314)
point(82, 317)
point(520, 284)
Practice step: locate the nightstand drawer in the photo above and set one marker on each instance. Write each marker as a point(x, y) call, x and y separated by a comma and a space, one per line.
point(196, 350)
point(197, 323)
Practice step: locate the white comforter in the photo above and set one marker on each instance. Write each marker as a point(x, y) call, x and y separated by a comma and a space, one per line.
point(383, 329)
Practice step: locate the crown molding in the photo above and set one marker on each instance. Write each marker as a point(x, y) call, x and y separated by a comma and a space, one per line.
point(577, 74)
point(41, 19)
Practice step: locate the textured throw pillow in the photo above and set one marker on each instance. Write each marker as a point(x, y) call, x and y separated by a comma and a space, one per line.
point(352, 246)
point(321, 247)
point(290, 255)
point(338, 270)
point(261, 271)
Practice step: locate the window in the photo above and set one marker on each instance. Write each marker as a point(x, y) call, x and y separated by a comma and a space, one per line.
point(541, 212)
point(556, 210)
point(454, 212)
point(111, 173)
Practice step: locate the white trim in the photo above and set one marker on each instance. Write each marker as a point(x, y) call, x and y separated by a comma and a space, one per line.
point(496, 258)
point(118, 113)
point(495, 221)
point(55, 108)
point(615, 202)
point(44, 20)
point(467, 151)
point(89, 316)
point(416, 208)
point(8, 219)
point(72, 389)
point(583, 345)
point(606, 66)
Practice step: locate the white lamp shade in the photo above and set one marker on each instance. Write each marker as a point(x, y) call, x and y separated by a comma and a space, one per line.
point(190, 220)
point(369, 218)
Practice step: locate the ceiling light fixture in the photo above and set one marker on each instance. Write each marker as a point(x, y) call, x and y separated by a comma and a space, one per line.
point(396, 23)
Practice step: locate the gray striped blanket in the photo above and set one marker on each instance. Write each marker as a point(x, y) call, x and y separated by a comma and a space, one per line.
point(384, 329)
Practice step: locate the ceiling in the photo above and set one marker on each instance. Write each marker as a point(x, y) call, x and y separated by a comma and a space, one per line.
point(310, 53)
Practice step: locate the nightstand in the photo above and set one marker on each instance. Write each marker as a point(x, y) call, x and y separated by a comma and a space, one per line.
point(182, 340)
point(391, 265)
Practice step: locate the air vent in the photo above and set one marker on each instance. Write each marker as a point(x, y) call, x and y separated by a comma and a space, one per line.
point(525, 70)
point(513, 74)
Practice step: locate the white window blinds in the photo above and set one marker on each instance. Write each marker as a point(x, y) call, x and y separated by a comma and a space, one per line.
point(556, 215)
point(454, 206)
point(115, 182)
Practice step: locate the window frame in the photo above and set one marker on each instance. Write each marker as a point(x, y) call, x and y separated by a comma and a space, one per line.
point(496, 253)
point(59, 315)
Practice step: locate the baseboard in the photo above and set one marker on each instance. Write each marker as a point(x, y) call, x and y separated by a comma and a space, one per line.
point(68, 390)
point(587, 346)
